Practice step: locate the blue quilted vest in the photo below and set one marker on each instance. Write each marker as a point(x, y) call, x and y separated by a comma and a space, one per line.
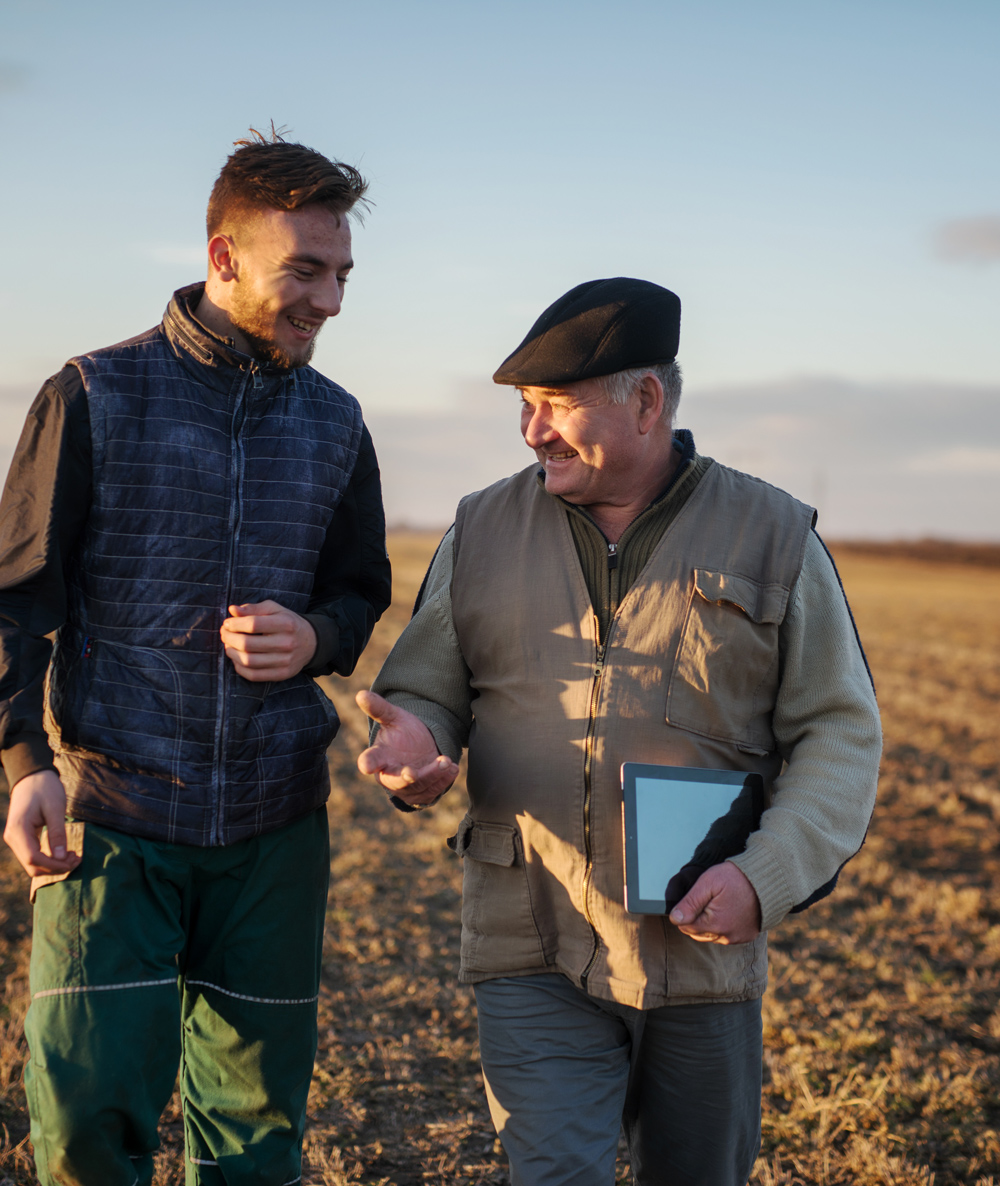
point(213, 484)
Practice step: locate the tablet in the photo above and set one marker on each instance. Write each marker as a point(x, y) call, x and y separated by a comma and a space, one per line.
point(679, 820)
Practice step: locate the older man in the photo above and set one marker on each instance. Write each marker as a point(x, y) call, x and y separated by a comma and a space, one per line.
point(625, 599)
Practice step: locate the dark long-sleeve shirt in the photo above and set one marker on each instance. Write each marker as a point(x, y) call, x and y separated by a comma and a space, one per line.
point(43, 512)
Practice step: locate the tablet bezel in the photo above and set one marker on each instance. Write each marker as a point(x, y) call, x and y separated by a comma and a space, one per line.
point(737, 779)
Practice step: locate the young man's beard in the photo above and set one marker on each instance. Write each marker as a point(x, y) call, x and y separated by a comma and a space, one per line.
point(258, 329)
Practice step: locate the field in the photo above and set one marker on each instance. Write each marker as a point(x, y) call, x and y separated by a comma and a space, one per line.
point(883, 1015)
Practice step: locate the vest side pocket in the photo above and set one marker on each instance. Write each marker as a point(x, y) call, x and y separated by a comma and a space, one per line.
point(499, 933)
point(125, 704)
point(725, 676)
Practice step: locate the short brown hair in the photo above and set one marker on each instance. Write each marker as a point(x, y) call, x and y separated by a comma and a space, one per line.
point(266, 172)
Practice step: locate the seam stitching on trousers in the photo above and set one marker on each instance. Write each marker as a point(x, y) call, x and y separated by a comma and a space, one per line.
point(242, 996)
point(60, 992)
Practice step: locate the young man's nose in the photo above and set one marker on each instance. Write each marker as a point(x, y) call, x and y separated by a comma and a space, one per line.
point(328, 299)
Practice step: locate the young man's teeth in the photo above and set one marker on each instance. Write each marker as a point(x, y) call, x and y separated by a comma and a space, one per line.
point(301, 325)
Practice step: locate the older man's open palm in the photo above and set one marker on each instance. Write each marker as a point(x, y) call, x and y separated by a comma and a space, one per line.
point(405, 757)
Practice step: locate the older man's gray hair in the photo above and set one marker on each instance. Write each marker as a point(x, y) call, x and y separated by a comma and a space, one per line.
point(621, 384)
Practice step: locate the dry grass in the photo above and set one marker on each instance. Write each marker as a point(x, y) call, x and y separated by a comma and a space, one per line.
point(882, 1021)
point(932, 551)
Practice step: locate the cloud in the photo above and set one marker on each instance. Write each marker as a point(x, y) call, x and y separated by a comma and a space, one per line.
point(970, 240)
point(166, 253)
point(961, 459)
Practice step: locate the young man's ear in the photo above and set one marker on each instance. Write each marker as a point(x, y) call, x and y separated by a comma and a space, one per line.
point(222, 262)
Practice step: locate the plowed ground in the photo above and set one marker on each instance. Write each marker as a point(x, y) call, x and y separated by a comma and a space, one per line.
point(882, 1019)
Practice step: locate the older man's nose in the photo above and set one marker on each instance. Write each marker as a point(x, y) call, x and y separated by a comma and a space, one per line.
point(537, 428)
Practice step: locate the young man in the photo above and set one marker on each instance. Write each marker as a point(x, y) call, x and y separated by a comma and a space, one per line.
point(197, 514)
point(625, 599)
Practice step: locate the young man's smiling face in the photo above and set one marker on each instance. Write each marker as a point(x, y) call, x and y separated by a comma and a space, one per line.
point(290, 268)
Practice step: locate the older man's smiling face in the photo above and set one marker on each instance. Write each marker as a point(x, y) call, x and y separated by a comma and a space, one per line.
point(587, 445)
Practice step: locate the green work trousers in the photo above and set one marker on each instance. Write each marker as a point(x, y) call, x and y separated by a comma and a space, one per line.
point(154, 956)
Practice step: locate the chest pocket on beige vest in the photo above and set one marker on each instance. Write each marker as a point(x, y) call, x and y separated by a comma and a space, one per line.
point(725, 676)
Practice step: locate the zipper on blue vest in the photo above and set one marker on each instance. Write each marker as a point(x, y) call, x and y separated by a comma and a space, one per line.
point(237, 458)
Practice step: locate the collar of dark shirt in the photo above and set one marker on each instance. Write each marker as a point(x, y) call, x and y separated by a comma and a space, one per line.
point(217, 358)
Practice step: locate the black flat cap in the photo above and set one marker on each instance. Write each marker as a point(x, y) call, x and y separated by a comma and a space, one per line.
point(597, 328)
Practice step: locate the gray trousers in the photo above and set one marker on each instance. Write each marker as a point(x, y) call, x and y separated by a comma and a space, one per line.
point(565, 1072)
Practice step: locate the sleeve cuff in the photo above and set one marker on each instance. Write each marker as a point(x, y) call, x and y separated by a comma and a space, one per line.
point(27, 755)
point(761, 865)
point(327, 644)
point(400, 805)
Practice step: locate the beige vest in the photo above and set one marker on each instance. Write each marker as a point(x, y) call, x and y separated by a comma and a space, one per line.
point(688, 677)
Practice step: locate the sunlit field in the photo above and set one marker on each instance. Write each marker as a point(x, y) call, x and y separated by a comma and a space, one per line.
point(882, 1063)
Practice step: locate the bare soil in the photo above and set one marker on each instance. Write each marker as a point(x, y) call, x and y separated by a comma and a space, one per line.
point(882, 1019)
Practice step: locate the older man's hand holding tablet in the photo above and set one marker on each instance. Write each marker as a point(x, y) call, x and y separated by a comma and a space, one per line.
point(680, 821)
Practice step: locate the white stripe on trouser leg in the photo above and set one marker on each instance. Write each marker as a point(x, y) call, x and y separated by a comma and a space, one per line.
point(62, 992)
point(242, 996)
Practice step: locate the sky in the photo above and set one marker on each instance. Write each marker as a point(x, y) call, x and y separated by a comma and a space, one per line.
point(819, 182)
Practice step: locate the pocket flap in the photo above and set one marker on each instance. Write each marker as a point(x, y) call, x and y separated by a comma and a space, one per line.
point(493, 844)
point(760, 603)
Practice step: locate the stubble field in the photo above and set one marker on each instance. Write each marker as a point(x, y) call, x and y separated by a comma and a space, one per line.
point(882, 1021)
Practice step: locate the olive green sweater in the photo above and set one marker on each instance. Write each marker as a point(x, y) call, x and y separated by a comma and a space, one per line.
point(611, 569)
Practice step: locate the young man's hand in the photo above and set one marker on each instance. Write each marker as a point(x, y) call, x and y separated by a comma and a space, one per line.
point(37, 801)
point(405, 757)
point(265, 641)
point(721, 907)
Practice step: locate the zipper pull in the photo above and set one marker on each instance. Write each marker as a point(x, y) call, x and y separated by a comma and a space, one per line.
point(258, 382)
point(612, 557)
point(599, 667)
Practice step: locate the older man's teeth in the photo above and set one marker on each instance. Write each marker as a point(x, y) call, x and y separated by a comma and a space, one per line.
point(562, 456)
point(303, 326)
